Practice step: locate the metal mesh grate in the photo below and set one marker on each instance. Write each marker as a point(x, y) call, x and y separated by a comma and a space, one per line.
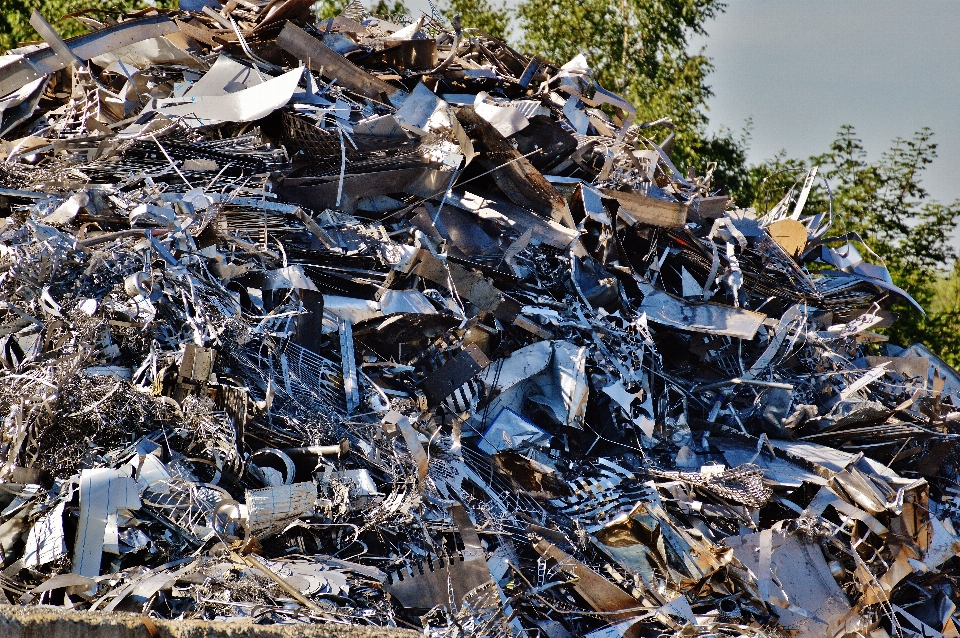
point(743, 484)
point(319, 145)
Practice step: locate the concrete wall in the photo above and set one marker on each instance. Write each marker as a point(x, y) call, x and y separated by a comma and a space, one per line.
point(55, 622)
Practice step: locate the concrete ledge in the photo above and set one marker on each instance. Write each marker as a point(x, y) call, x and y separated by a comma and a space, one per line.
point(55, 622)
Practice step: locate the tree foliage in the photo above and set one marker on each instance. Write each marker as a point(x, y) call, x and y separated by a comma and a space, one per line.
point(484, 15)
point(324, 9)
point(385, 9)
point(327, 8)
point(939, 329)
point(490, 18)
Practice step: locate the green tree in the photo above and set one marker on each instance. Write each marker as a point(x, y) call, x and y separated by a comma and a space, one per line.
point(885, 203)
point(765, 183)
point(490, 18)
point(729, 151)
point(327, 9)
point(15, 17)
point(384, 9)
point(478, 14)
point(938, 329)
point(331, 8)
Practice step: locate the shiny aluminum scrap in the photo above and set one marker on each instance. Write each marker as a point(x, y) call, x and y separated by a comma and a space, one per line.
point(347, 321)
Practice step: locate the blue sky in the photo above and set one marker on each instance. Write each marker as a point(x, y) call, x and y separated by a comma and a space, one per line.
point(802, 68)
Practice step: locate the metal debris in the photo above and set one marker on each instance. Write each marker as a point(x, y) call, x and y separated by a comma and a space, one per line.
point(390, 324)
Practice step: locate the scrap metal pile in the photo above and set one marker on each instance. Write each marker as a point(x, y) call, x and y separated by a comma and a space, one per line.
point(390, 324)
